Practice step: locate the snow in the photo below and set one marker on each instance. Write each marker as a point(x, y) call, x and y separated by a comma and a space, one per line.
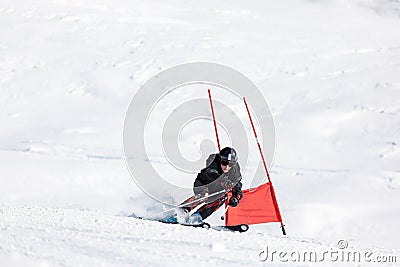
point(79, 237)
point(329, 70)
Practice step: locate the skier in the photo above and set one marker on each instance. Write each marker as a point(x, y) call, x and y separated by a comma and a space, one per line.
point(220, 176)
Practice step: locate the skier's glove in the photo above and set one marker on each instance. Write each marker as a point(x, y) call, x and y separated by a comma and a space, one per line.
point(233, 202)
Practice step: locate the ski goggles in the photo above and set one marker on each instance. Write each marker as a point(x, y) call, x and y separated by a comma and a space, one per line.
point(225, 162)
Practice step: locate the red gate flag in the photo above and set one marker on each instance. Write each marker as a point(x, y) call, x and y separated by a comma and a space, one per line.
point(258, 205)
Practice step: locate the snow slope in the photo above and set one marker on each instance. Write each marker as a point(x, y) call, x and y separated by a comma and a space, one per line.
point(62, 237)
point(68, 69)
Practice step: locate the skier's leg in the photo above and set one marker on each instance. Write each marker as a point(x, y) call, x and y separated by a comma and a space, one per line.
point(209, 208)
point(193, 201)
point(187, 205)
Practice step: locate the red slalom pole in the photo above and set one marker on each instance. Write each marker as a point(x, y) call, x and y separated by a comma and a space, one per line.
point(215, 123)
point(219, 147)
point(258, 143)
point(277, 212)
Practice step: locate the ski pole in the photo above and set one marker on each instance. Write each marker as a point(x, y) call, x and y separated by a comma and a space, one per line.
point(223, 215)
point(196, 209)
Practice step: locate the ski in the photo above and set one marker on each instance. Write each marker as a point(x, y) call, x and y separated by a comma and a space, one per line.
point(241, 228)
point(200, 225)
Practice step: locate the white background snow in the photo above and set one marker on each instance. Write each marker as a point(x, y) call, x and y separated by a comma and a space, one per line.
point(330, 71)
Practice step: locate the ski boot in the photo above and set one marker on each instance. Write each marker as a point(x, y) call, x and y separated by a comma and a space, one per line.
point(194, 219)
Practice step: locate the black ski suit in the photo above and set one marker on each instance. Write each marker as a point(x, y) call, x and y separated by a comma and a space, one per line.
point(212, 179)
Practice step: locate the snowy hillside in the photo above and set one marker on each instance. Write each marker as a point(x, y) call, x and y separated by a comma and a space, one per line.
point(61, 237)
point(329, 70)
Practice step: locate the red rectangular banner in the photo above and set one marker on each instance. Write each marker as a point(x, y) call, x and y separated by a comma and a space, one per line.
point(256, 206)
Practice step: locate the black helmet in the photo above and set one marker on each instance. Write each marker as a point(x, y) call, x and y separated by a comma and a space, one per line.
point(228, 153)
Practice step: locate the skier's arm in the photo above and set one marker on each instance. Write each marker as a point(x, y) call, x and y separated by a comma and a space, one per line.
point(237, 177)
point(237, 195)
point(237, 191)
point(199, 189)
point(198, 185)
point(204, 177)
